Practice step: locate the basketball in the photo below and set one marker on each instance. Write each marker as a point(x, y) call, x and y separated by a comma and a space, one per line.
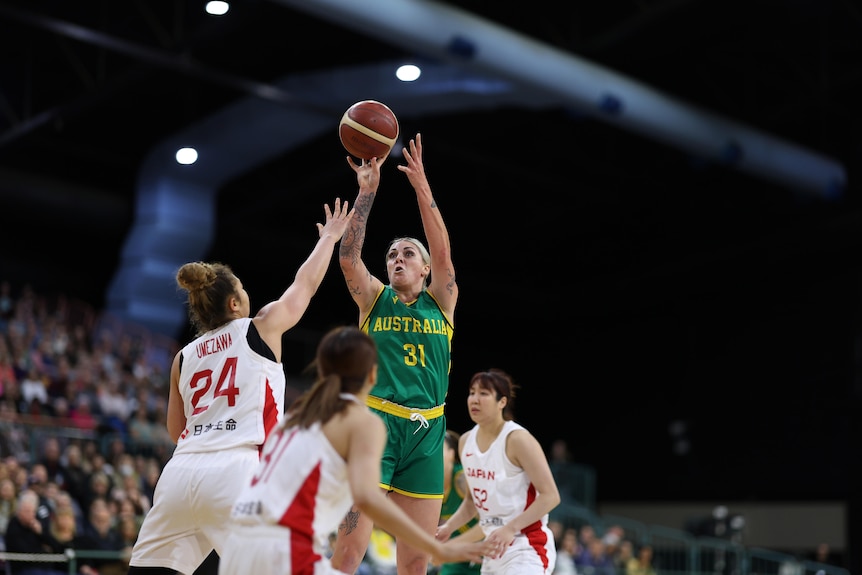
point(368, 129)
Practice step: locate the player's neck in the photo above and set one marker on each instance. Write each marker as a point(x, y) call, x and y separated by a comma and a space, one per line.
point(489, 431)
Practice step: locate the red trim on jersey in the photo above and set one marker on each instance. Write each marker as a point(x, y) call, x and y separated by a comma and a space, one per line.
point(299, 517)
point(270, 410)
point(535, 534)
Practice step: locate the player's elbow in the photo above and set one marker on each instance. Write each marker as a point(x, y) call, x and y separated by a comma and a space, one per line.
point(347, 264)
point(174, 431)
point(553, 499)
point(366, 497)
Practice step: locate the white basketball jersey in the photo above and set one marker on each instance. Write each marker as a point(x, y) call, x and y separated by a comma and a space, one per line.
point(232, 395)
point(501, 490)
point(301, 483)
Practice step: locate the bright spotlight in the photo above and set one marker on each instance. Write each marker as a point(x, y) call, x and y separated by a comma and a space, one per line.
point(186, 156)
point(217, 7)
point(408, 73)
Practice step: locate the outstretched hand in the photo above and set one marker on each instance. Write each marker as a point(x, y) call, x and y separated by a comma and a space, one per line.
point(499, 540)
point(367, 172)
point(443, 532)
point(414, 169)
point(336, 221)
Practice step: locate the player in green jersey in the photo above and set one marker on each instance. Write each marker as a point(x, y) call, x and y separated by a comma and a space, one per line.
point(411, 319)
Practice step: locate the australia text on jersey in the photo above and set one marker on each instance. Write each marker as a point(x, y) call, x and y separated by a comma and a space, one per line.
point(411, 325)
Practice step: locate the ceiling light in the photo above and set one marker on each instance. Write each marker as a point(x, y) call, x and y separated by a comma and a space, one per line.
point(217, 7)
point(408, 72)
point(186, 156)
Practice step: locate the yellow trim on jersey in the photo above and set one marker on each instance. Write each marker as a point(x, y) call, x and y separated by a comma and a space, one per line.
point(391, 408)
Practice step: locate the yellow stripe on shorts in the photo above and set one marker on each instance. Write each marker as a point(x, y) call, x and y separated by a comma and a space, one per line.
point(391, 408)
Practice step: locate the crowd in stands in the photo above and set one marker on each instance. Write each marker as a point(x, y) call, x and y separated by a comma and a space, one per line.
point(82, 432)
point(583, 552)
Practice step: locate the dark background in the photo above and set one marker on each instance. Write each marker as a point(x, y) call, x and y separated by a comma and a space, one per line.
point(630, 287)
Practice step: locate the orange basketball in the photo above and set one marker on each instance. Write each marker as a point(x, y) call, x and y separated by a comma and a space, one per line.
point(368, 129)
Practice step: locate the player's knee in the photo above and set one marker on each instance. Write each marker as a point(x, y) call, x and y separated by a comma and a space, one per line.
point(347, 559)
point(414, 565)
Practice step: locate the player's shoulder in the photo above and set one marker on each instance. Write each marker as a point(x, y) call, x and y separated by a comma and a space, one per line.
point(520, 436)
point(363, 418)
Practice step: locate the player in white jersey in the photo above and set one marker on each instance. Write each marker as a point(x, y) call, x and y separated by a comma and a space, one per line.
point(226, 395)
point(511, 484)
point(324, 458)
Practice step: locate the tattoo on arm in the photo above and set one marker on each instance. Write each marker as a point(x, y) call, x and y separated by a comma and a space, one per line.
point(352, 289)
point(351, 520)
point(354, 237)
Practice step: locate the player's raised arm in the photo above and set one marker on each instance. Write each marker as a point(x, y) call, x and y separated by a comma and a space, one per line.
point(363, 286)
point(443, 286)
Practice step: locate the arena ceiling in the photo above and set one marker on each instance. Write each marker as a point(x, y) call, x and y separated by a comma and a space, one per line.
point(628, 278)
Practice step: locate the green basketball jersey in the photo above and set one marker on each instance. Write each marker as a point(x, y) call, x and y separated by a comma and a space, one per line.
point(414, 344)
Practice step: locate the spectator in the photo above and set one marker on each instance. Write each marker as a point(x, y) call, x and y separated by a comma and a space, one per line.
point(81, 415)
point(101, 535)
point(61, 411)
point(113, 406)
point(567, 552)
point(823, 554)
point(595, 560)
point(164, 444)
point(26, 534)
point(586, 535)
point(7, 371)
point(38, 483)
point(556, 526)
point(624, 554)
point(50, 460)
point(642, 564)
point(124, 466)
point(64, 533)
point(149, 478)
point(128, 527)
point(98, 462)
point(142, 432)
point(126, 510)
point(21, 476)
point(99, 487)
point(62, 502)
point(58, 382)
point(612, 538)
point(130, 490)
point(9, 409)
point(34, 393)
point(8, 502)
point(75, 473)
